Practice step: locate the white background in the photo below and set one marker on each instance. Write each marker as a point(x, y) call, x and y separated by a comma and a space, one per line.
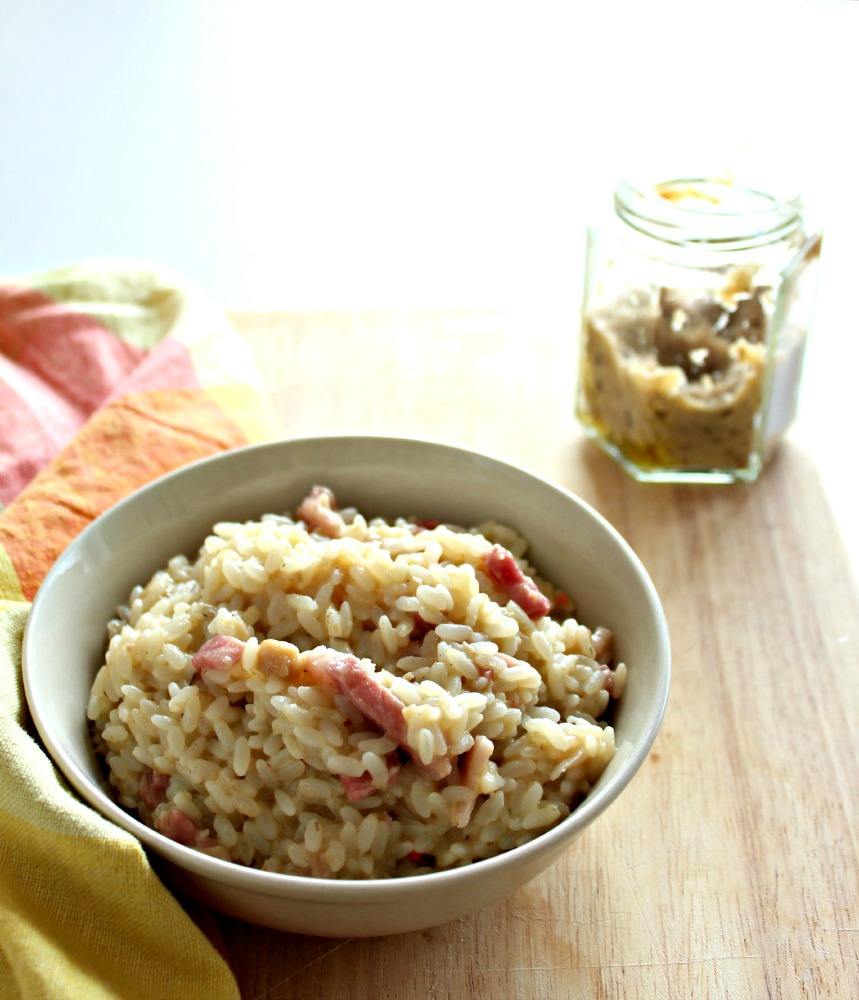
point(380, 154)
point(348, 153)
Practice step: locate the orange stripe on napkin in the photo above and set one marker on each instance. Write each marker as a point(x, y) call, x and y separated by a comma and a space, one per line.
point(128, 443)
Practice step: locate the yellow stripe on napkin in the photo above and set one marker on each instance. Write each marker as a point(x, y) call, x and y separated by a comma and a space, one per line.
point(125, 937)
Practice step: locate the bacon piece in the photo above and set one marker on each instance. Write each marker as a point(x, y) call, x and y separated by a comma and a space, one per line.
point(427, 525)
point(472, 767)
point(501, 566)
point(563, 602)
point(602, 640)
point(365, 692)
point(358, 788)
point(152, 787)
point(173, 823)
point(373, 700)
point(362, 787)
point(472, 764)
point(219, 653)
point(608, 678)
point(319, 512)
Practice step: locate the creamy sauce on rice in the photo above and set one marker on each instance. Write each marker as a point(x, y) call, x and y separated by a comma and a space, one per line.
point(342, 697)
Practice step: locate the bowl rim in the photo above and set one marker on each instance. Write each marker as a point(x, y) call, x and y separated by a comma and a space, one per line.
point(357, 890)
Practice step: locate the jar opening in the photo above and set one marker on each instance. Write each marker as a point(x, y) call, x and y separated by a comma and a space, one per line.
point(709, 213)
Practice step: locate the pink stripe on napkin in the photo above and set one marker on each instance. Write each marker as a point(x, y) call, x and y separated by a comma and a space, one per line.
point(57, 367)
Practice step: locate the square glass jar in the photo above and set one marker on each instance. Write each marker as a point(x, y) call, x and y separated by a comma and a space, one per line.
point(698, 296)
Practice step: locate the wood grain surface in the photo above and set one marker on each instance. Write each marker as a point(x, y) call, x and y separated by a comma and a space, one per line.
point(728, 868)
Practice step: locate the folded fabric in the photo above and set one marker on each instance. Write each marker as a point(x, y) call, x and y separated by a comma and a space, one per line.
point(111, 374)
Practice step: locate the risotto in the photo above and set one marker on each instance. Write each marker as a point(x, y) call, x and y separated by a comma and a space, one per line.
point(336, 696)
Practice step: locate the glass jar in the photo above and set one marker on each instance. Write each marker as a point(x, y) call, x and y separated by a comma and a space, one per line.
point(697, 300)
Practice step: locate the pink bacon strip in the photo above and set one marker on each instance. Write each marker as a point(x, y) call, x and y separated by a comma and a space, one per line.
point(177, 826)
point(152, 787)
point(218, 653)
point(362, 787)
point(319, 512)
point(501, 566)
point(473, 763)
point(373, 700)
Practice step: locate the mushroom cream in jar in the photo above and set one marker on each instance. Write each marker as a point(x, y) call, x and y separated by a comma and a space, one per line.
point(696, 308)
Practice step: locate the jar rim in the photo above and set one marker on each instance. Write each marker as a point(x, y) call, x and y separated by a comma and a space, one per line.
point(709, 213)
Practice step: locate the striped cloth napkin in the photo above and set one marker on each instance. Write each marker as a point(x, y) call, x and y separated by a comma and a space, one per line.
point(111, 373)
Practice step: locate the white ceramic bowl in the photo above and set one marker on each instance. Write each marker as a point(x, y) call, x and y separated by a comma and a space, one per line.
point(571, 545)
